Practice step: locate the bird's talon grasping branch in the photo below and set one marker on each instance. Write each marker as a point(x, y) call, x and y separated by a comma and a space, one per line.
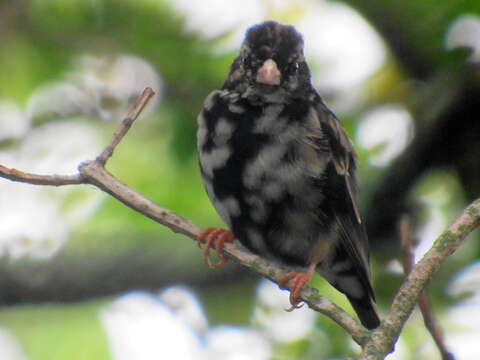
point(298, 280)
point(214, 237)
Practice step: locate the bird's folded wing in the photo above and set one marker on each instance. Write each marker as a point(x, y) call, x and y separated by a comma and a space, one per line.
point(342, 152)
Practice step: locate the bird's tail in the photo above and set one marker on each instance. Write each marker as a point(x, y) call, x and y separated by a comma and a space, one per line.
point(365, 310)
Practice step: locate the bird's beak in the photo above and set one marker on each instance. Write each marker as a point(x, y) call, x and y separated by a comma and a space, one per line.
point(269, 74)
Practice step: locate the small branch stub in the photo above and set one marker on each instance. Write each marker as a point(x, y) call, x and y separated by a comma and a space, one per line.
point(125, 125)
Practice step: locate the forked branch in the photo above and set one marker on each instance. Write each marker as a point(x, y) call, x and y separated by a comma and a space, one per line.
point(93, 172)
point(375, 344)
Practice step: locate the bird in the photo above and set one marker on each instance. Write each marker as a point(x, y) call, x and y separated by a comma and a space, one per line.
point(279, 169)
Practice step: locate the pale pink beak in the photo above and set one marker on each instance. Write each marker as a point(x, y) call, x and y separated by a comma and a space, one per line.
point(269, 73)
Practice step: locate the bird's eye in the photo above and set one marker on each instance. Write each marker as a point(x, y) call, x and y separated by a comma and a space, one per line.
point(293, 67)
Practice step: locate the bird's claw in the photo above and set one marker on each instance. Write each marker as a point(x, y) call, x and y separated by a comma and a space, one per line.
point(214, 237)
point(297, 280)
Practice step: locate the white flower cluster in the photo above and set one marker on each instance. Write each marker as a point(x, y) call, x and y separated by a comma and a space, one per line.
point(173, 326)
point(52, 135)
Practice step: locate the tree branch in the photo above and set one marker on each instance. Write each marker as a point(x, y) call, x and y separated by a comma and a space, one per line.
point(375, 344)
point(125, 125)
point(424, 304)
point(383, 338)
point(53, 180)
point(94, 173)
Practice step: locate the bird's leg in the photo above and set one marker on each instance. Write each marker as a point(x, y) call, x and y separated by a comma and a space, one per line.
point(297, 281)
point(215, 237)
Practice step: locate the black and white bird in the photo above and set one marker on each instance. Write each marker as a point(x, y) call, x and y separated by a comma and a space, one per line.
point(280, 170)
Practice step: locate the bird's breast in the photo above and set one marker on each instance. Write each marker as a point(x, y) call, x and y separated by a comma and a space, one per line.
point(251, 164)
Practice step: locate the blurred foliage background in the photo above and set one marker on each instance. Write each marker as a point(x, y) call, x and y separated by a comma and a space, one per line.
point(84, 277)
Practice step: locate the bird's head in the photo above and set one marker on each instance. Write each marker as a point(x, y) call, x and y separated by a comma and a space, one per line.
point(271, 60)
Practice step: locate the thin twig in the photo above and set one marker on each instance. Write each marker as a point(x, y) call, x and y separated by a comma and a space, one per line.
point(432, 326)
point(408, 260)
point(406, 240)
point(53, 180)
point(125, 125)
point(94, 173)
point(383, 338)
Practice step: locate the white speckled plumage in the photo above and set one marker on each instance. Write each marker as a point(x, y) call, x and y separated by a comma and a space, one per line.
point(280, 169)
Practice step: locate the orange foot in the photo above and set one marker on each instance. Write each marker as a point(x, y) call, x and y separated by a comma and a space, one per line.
point(217, 237)
point(297, 281)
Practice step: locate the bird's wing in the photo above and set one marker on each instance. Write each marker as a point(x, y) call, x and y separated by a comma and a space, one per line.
point(340, 147)
point(328, 136)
